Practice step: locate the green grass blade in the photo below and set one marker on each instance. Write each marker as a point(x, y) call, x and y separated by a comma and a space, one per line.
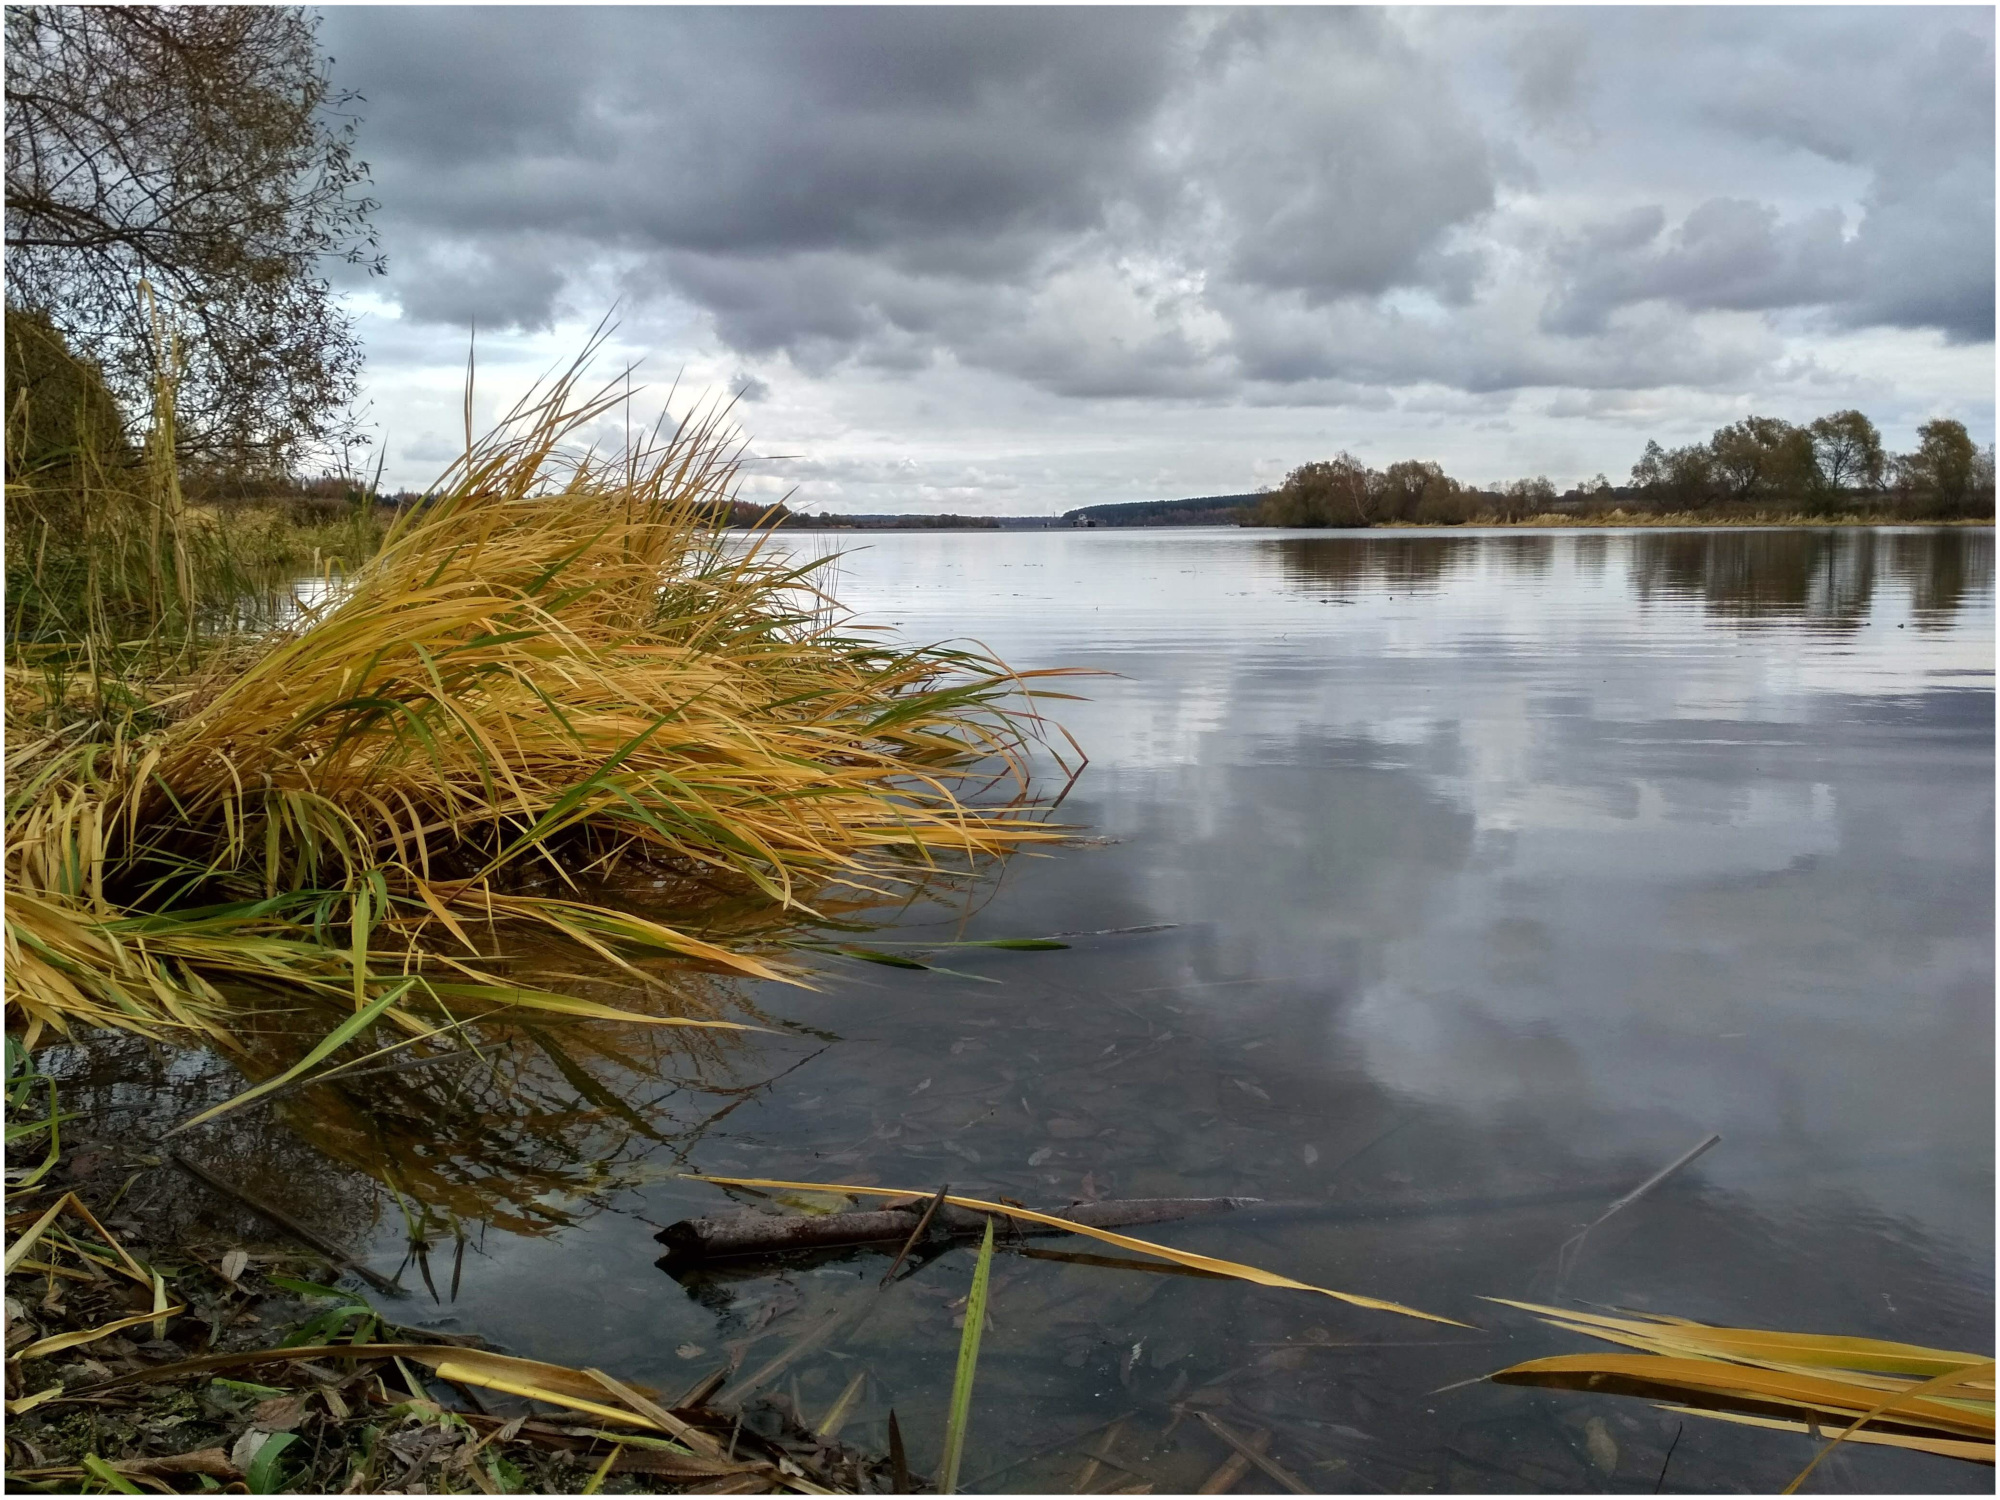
point(342, 1034)
point(264, 1476)
point(890, 960)
point(110, 1478)
point(968, 1360)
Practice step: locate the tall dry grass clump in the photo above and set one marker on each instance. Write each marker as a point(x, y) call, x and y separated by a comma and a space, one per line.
point(557, 667)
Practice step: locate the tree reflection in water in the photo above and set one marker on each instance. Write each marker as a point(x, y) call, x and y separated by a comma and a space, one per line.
point(522, 1126)
point(1827, 576)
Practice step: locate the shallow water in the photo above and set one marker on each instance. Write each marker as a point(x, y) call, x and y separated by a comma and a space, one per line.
point(1500, 869)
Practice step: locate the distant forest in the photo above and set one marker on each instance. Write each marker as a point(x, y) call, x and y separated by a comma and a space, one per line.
point(1758, 468)
point(1201, 510)
point(744, 513)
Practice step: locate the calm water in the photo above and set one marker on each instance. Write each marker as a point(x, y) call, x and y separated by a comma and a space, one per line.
point(1500, 869)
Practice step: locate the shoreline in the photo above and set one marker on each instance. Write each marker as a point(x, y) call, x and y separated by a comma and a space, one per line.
point(1546, 522)
point(1681, 521)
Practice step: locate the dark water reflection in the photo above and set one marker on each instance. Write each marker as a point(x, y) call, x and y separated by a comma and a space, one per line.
point(1829, 576)
point(1502, 868)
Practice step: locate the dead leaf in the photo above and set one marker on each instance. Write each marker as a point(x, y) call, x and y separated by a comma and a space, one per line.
point(234, 1264)
point(244, 1453)
point(211, 1461)
point(279, 1414)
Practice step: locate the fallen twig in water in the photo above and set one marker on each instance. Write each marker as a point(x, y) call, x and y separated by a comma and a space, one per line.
point(808, 1341)
point(694, 1240)
point(1277, 1471)
point(1234, 1467)
point(1014, 1211)
point(1572, 1248)
point(1097, 1460)
point(309, 1237)
point(1043, 1452)
point(916, 1234)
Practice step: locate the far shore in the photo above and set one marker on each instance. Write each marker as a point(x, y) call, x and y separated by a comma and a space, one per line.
point(1551, 520)
point(1547, 521)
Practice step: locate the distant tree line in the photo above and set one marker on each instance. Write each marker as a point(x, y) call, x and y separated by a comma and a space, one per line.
point(1198, 510)
point(746, 513)
point(1761, 466)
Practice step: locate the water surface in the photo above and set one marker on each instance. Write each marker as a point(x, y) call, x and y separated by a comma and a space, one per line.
point(1496, 869)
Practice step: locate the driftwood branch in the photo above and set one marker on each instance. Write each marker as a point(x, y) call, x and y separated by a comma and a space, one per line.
point(1571, 1249)
point(695, 1240)
point(723, 1238)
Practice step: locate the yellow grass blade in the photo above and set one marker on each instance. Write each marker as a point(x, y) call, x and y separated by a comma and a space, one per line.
point(1186, 1258)
point(34, 1232)
point(1975, 1452)
point(697, 1440)
point(553, 661)
point(1758, 1345)
point(1898, 1408)
point(1665, 1375)
point(90, 1335)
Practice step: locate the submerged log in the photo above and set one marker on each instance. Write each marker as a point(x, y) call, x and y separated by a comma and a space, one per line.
point(749, 1233)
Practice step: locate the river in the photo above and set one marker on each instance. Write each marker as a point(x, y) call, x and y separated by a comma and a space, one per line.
point(1485, 873)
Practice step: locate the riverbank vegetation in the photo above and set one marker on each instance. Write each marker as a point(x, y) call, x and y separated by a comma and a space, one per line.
point(553, 668)
point(1760, 470)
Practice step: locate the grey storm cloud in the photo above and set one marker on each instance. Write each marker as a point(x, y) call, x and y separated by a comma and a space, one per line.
point(510, 282)
point(1910, 107)
point(1728, 253)
point(1178, 204)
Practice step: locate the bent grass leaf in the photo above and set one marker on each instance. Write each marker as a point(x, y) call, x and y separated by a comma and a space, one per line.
point(1188, 1258)
point(35, 1231)
point(530, 1379)
point(109, 1477)
point(1022, 945)
point(1898, 1408)
point(1974, 1452)
point(558, 1385)
point(569, 1005)
point(1719, 1381)
point(1939, 1400)
point(339, 1037)
point(124, 1264)
point(1777, 1350)
point(889, 960)
point(60, 1341)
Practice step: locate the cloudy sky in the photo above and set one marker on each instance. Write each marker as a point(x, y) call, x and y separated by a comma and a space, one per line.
point(1018, 260)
